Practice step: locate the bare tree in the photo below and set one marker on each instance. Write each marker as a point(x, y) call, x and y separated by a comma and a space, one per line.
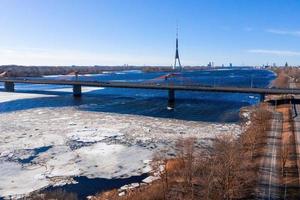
point(284, 154)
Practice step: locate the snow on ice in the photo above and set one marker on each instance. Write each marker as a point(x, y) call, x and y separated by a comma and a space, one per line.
point(41, 147)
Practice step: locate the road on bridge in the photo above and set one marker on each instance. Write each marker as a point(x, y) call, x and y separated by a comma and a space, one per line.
point(154, 86)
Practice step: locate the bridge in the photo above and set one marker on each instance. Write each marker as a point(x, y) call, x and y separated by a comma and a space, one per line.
point(9, 86)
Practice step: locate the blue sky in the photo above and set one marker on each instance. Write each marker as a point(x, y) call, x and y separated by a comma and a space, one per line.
point(142, 32)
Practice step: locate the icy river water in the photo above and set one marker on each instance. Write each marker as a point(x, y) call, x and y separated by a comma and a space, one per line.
point(105, 139)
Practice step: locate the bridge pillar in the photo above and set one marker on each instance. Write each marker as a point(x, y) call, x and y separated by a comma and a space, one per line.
point(9, 86)
point(77, 90)
point(262, 97)
point(171, 99)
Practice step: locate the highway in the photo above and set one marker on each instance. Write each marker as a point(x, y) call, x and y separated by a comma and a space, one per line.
point(154, 86)
point(269, 186)
point(285, 130)
point(296, 121)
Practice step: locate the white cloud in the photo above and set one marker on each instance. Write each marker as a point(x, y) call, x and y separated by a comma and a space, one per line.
point(284, 32)
point(275, 52)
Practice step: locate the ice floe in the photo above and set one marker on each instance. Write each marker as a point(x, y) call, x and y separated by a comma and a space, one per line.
point(41, 147)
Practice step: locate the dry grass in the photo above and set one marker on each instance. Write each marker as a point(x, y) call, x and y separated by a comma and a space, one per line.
point(282, 80)
point(285, 75)
point(225, 170)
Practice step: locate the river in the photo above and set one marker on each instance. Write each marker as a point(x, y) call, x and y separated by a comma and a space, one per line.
point(106, 138)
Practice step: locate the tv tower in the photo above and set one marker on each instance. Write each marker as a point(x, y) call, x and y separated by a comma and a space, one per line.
point(179, 67)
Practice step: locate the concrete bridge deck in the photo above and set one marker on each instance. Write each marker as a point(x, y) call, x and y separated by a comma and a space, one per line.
point(77, 84)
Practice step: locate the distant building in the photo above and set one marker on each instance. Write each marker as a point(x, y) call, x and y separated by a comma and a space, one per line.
point(286, 64)
point(209, 64)
point(230, 64)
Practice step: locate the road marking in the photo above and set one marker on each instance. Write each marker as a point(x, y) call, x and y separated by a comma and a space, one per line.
point(273, 160)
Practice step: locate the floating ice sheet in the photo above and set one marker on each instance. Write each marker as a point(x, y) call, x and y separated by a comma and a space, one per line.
point(92, 144)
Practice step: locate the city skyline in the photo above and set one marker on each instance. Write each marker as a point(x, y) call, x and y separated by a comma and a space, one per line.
point(143, 32)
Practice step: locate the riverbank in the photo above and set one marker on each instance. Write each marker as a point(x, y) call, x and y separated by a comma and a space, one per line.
point(285, 76)
point(38, 71)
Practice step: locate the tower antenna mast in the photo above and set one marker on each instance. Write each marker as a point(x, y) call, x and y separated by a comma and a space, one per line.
point(177, 59)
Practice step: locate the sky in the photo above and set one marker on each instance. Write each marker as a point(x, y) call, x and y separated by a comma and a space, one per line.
point(142, 32)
